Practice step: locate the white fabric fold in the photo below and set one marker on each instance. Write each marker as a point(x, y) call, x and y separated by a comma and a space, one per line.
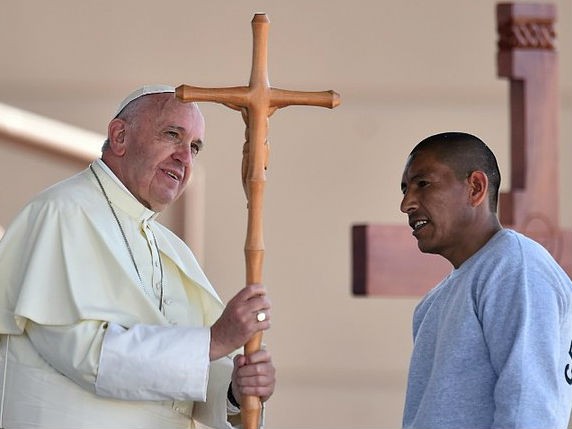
point(144, 349)
point(64, 264)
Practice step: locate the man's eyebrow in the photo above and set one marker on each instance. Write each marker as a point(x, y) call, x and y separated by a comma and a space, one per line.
point(176, 128)
point(412, 179)
point(180, 129)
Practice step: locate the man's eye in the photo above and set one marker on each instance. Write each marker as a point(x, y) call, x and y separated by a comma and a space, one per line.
point(423, 183)
point(195, 149)
point(172, 135)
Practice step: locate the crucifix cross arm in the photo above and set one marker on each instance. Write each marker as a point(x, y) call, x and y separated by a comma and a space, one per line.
point(263, 97)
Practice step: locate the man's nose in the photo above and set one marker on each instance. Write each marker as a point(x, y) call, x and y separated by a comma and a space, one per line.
point(408, 203)
point(184, 153)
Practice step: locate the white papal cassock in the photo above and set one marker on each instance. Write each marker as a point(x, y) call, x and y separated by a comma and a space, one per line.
point(84, 344)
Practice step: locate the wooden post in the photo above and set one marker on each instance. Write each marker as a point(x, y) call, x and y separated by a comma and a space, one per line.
point(527, 57)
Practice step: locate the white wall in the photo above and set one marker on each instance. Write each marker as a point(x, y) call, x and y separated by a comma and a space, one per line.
point(404, 70)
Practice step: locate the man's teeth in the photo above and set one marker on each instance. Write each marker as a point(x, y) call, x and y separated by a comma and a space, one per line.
point(173, 175)
point(418, 224)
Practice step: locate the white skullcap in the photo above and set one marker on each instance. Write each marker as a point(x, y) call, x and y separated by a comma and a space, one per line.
point(144, 90)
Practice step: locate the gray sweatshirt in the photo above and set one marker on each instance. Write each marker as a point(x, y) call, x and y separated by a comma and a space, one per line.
point(493, 343)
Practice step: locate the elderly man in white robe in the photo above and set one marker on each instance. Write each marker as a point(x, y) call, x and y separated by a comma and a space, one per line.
point(107, 320)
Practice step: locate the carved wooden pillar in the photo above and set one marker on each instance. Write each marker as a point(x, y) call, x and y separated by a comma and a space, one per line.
point(527, 57)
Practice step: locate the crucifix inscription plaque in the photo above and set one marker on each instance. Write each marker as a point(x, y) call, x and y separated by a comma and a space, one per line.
point(386, 260)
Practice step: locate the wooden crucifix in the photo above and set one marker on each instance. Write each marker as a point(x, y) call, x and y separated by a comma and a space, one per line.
point(256, 102)
point(386, 260)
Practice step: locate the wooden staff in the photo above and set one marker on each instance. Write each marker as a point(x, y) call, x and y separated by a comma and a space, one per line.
point(257, 102)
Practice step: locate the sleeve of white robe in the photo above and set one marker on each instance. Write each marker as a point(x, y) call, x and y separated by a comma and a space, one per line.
point(145, 362)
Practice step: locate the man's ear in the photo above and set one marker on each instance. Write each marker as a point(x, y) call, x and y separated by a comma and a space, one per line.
point(478, 188)
point(116, 132)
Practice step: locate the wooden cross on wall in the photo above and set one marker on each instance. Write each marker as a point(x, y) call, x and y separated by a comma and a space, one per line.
point(386, 259)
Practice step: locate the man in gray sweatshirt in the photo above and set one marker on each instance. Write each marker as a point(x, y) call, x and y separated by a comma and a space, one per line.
point(493, 340)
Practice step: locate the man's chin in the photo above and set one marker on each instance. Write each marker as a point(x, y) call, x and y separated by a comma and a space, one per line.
point(160, 205)
point(425, 247)
point(165, 199)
